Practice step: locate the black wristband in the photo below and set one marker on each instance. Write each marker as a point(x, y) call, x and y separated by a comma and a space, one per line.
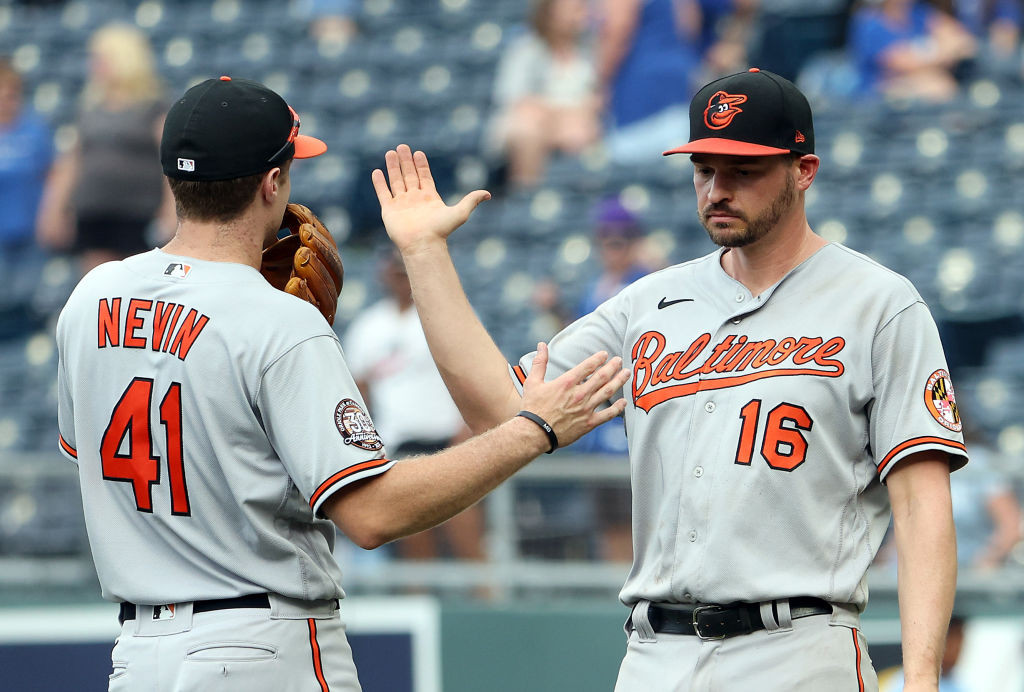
point(548, 430)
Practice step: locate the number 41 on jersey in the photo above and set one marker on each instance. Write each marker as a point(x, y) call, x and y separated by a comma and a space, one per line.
point(127, 446)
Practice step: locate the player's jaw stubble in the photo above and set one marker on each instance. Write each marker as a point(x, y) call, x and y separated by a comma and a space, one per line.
point(728, 235)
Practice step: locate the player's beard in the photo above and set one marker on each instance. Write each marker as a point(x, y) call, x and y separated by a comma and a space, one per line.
point(723, 235)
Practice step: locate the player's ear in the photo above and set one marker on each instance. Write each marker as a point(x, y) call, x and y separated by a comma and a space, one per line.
point(270, 184)
point(807, 168)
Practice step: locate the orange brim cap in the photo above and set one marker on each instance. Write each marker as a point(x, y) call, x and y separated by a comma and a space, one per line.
point(719, 145)
point(307, 147)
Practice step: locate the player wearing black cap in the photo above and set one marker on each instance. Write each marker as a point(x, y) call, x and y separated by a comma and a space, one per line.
point(218, 432)
point(787, 392)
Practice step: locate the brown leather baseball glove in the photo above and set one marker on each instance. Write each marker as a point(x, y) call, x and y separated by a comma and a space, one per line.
point(306, 263)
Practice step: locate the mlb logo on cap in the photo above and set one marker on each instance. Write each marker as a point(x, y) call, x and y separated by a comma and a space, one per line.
point(186, 165)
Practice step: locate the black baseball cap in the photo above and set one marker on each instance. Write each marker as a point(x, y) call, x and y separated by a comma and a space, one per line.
point(752, 113)
point(230, 128)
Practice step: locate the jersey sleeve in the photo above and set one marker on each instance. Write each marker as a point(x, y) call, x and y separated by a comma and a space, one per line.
point(914, 407)
point(317, 422)
point(602, 330)
point(65, 416)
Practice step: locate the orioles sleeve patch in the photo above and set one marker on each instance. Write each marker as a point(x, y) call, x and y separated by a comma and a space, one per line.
point(941, 402)
point(356, 427)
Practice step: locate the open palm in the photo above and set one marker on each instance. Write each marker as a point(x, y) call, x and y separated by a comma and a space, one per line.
point(412, 211)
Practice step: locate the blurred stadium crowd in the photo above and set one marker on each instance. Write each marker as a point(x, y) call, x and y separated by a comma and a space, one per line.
point(561, 108)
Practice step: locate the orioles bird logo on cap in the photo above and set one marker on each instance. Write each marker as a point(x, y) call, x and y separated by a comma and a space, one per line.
point(722, 108)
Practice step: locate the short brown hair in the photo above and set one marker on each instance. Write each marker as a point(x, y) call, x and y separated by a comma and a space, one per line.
point(216, 200)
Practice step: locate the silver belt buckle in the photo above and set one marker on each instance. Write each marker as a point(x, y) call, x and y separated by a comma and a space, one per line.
point(696, 625)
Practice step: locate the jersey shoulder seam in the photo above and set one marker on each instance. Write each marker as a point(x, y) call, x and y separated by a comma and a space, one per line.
point(273, 361)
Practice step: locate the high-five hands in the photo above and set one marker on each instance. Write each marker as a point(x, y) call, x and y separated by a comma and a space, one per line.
point(569, 403)
point(413, 212)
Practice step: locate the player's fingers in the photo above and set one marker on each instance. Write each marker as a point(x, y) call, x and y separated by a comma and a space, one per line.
point(470, 202)
point(419, 160)
point(613, 387)
point(606, 414)
point(380, 184)
point(601, 376)
point(604, 383)
point(409, 175)
point(585, 368)
point(394, 172)
point(540, 364)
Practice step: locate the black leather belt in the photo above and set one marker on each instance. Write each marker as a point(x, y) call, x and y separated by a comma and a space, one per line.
point(721, 621)
point(256, 600)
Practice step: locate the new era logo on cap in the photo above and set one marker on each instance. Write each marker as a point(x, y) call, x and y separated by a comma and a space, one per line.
point(775, 117)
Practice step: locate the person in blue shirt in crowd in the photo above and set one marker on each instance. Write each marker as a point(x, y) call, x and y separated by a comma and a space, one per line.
point(996, 25)
point(26, 153)
point(907, 49)
point(647, 62)
point(619, 236)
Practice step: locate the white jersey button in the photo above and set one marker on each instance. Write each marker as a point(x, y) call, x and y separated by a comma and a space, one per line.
point(736, 320)
point(709, 407)
point(739, 297)
point(699, 471)
point(692, 536)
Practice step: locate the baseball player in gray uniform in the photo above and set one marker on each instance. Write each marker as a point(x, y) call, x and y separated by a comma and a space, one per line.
point(786, 392)
point(218, 432)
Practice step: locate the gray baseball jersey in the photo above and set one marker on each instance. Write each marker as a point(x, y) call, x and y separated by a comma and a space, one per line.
point(210, 416)
point(762, 427)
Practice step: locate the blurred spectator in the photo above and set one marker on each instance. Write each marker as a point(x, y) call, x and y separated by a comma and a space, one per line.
point(985, 507)
point(647, 65)
point(552, 315)
point(390, 361)
point(986, 510)
point(786, 34)
point(544, 92)
point(726, 32)
point(108, 192)
point(26, 153)
point(331, 20)
point(619, 238)
point(996, 24)
point(906, 49)
point(891, 679)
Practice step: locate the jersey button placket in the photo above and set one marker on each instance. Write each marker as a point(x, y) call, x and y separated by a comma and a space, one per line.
point(709, 407)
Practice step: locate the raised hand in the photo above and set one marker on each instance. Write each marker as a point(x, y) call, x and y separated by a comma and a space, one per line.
point(412, 211)
point(569, 403)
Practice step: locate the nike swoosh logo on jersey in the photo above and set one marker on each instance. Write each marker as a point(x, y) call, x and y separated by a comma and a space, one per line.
point(665, 302)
